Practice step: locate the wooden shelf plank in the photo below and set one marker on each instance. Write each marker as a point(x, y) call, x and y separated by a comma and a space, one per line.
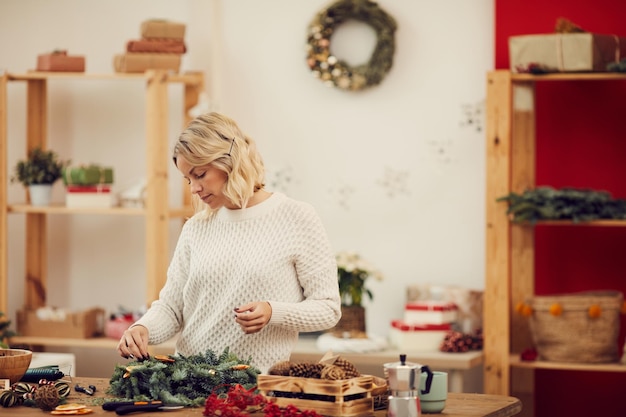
point(191, 78)
point(306, 350)
point(570, 76)
point(175, 212)
point(92, 342)
point(566, 366)
point(592, 223)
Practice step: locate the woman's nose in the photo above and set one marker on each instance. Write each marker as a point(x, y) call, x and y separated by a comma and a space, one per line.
point(195, 187)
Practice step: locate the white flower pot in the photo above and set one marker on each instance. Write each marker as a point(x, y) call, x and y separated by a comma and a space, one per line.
point(40, 194)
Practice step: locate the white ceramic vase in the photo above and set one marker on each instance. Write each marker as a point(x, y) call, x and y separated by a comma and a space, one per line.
point(40, 194)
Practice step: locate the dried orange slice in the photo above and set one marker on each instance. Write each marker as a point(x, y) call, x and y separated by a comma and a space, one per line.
point(164, 358)
point(75, 412)
point(71, 406)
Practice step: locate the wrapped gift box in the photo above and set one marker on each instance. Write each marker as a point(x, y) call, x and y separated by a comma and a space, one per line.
point(87, 175)
point(417, 337)
point(430, 312)
point(142, 61)
point(167, 46)
point(80, 325)
point(565, 52)
point(164, 29)
point(115, 328)
point(94, 196)
point(60, 61)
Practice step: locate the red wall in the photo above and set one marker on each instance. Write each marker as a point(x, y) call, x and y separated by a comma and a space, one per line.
point(581, 142)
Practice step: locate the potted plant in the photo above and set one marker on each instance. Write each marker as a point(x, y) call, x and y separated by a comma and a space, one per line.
point(5, 331)
point(38, 172)
point(352, 272)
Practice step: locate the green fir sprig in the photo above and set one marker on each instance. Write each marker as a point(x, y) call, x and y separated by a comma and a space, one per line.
point(577, 205)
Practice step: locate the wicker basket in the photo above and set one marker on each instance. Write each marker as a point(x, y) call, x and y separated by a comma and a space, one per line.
point(352, 322)
point(564, 330)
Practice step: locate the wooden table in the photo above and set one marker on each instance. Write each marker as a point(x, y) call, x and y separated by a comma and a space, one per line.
point(457, 405)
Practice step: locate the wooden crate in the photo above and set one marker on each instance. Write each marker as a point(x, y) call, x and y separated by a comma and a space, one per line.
point(344, 397)
point(77, 325)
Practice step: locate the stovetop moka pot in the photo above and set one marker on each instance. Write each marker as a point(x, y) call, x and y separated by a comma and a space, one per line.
point(404, 384)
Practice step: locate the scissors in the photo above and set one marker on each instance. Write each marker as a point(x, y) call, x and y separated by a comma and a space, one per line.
point(127, 407)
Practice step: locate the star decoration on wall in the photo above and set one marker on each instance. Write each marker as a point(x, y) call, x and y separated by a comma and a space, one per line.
point(281, 179)
point(473, 116)
point(343, 195)
point(395, 182)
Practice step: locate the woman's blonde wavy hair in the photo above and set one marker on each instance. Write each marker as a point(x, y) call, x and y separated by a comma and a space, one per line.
point(215, 139)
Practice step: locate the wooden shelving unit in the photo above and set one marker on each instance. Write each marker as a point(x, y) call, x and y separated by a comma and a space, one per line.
point(156, 210)
point(510, 129)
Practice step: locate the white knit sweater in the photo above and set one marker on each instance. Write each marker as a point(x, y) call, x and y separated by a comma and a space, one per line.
point(275, 251)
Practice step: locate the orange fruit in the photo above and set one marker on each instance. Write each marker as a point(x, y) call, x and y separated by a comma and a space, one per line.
point(595, 311)
point(556, 309)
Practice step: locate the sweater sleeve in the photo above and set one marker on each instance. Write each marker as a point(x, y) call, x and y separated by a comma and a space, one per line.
point(164, 318)
point(316, 269)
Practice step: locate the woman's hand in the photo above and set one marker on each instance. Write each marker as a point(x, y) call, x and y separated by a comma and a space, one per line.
point(134, 343)
point(252, 317)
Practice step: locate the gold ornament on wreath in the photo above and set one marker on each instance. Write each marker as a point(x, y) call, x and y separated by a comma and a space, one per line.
point(336, 72)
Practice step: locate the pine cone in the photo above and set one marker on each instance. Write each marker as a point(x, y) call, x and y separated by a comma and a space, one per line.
point(280, 368)
point(348, 368)
point(306, 370)
point(333, 372)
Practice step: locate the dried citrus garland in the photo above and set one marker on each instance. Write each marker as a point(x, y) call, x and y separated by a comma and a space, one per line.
point(556, 309)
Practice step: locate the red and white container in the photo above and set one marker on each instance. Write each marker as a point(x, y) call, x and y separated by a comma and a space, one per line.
point(430, 312)
point(417, 338)
point(79, 196)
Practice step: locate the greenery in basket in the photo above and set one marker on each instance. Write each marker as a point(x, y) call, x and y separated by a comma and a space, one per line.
point(577, 205)
point(41, 167)
point(352, 272)
point(5, 331)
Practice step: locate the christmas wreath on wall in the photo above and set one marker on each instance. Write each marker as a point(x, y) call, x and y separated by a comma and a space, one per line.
point(332, 70)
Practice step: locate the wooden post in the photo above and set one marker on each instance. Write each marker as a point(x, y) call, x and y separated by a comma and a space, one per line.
point(4, 270)
point(157, 195)
point(522, 236)
point(36, 223)
point(498, 235)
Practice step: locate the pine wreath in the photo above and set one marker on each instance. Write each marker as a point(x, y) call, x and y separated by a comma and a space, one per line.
point(336, 72)
point(184, 380)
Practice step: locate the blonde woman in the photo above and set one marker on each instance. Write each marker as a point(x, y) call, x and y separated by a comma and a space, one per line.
point(251, 269)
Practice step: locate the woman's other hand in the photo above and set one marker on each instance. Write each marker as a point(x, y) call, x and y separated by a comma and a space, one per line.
point(252, 317)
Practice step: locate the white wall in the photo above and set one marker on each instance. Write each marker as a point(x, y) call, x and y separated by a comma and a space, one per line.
point(396, 171)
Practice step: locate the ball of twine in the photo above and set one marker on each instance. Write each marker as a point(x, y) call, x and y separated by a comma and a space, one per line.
point(47, 397)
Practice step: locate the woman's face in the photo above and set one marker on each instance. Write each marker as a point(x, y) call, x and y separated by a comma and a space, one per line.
point(206, 181)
